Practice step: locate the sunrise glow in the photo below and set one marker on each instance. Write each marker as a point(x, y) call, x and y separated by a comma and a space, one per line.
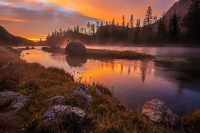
point(41, 17)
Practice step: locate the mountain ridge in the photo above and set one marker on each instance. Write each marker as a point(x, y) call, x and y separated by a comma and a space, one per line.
point(7, 38)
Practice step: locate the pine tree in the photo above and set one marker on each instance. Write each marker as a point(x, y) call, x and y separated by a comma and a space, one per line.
point(123, 20)
point(88, 27)
point(131, 21)
point(192, 22)
point(113, 21)
point(174, 27)
point(148, 21)
point(101, 23)
point(162, 31)
point(137, 32)
point(97, 24)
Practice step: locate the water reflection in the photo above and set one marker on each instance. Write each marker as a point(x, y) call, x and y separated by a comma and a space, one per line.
point(76, 61)
point(134, 81)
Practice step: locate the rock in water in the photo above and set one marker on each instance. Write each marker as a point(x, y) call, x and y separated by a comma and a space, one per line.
point(54, 47)
point(157, 111)
point(64, 112)
point(82, 95)
point(75, 48)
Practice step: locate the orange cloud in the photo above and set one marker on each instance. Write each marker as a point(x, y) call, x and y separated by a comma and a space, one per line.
point(107, 10)
point(34, 18)
point(12, 19)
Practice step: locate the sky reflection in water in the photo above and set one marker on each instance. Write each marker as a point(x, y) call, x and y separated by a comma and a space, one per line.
point(134, 81)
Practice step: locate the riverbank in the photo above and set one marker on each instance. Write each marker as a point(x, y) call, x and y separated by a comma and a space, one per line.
point(114, 54)
point(106, 114)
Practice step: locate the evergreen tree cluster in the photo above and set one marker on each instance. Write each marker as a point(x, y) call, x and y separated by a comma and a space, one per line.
point(154, 31)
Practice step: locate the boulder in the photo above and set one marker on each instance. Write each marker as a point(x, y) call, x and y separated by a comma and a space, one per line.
point(56, 100)
point(19, 102)
point(9, 65)
point(15, 51)
point(54, 47)
point(75, 48)
point(2, 52)
point(157, 111)
point(8, 47)
point(8, 95)
point(64, 112)
point(27, 47)
point(82, 95)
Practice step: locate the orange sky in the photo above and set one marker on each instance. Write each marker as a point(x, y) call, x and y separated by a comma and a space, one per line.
point(34, 19)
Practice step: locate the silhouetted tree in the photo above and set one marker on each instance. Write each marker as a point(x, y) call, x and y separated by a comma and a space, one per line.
point(162, 31)
point(137, 32)
point(101, 23)
point(131, 21)
point(88, 27)
point(147, 24)
point(123, 20)
point(174, 28)
point(192, 22)
point(97, 24)
point(113, 21)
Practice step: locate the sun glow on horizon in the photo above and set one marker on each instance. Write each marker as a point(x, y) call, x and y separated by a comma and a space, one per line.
point(33, 18)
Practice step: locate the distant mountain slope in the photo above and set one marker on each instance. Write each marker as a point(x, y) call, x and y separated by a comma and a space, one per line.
point(181, 8)
point(8, 39)
point(5, 34)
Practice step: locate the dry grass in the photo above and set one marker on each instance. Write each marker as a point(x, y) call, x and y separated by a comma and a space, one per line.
point(113, 54)
point(191, 122)
point(105, 115)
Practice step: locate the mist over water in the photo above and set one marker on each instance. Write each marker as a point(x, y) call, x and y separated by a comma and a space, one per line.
point(136, 81)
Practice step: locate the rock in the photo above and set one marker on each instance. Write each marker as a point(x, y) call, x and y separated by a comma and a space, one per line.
point(82, 95)
point(9, 65)
point(54, 47)
point(19, 102)
point(2, 52)
point(64, 112)
point(75, 48)
point(8, 47)
point(8, 95)
point(27, 47)
point(56, 100)
point(157, 111)
point(15, 51)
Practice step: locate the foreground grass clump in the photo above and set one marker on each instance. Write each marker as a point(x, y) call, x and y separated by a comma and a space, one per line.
point(113, 54)
point(191, 122)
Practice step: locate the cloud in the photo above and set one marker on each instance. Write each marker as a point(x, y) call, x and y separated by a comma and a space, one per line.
point(33, 23)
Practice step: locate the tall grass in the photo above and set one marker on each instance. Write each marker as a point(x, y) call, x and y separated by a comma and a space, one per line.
point(113, 54)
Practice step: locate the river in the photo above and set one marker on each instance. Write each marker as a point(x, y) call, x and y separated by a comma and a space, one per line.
point(136, 81)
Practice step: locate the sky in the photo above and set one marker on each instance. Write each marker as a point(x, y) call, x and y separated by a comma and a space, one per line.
point(34, 19)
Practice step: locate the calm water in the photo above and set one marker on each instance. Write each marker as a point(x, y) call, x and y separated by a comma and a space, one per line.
point(136, 81)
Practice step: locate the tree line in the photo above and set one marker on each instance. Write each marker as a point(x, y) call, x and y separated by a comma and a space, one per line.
point(153, 31)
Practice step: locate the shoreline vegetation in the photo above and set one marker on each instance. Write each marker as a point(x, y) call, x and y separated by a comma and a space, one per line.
point(106, 114)
point(101, 53)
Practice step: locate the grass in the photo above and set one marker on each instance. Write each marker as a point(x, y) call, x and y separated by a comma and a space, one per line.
point(191, 122)
point(105, 115)
point(109, 54)
point(113, 54)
